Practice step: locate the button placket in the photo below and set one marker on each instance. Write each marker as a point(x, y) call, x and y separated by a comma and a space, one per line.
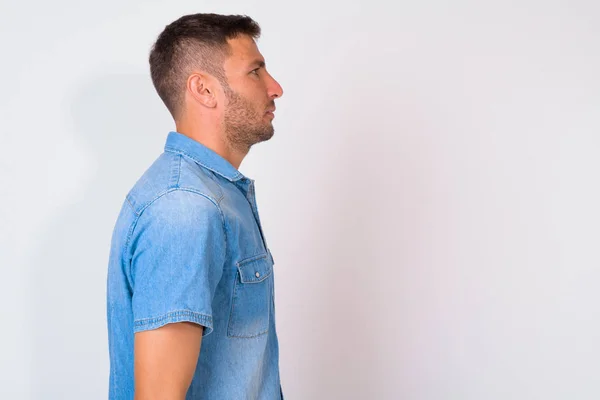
point(252, 199)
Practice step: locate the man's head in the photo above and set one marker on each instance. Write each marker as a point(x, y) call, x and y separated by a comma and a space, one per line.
point(208, 67)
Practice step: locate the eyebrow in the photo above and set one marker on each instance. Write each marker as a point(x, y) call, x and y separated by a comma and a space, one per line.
point(259, 63)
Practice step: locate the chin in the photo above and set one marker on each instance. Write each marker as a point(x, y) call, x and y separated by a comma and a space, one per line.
point(266, 135)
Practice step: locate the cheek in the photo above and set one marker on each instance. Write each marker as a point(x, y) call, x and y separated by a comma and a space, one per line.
point(255, 97)
point(259, 89)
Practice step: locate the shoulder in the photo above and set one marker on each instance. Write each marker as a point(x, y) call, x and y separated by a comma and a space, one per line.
point(174, 182)
point(178, 218)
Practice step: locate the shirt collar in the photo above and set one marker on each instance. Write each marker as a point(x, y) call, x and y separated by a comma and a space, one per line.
point(202, 155)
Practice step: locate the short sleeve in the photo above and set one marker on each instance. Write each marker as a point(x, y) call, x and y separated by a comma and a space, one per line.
point(178, 254)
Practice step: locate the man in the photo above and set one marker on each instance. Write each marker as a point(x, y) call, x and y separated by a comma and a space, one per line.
point(191, 311)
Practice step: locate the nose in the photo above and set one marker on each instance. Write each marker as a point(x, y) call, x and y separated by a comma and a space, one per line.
point(275, 89)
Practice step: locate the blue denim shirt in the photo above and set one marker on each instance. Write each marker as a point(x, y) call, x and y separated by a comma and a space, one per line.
point(188, 246)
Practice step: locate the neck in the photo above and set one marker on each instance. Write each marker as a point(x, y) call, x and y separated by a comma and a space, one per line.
point(212, 135)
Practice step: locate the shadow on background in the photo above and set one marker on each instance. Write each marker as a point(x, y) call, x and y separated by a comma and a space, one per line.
point(121, 122)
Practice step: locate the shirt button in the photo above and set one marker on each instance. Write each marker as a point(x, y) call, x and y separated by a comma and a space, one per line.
point(257, 274)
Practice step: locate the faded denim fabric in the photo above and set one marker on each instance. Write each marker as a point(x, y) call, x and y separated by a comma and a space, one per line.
point(188, 246)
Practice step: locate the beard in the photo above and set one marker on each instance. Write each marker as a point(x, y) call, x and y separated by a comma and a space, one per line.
point(244, 126)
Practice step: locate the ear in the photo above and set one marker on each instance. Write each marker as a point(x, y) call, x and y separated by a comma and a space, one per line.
point(202, 89)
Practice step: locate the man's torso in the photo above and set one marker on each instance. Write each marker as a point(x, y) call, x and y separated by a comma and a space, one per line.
point(239, 353)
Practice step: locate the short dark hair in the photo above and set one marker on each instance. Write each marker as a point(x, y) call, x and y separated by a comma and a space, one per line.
point(197, 40)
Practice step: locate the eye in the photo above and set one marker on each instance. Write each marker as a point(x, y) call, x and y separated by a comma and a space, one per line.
point(255, 71)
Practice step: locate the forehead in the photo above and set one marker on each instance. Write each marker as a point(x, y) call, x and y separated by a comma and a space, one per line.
point(243, 51)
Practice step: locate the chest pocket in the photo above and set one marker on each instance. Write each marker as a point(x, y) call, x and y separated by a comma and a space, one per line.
point(251, 297)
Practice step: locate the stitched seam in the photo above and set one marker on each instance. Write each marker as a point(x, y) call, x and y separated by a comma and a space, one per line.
point(178, 172)
point(196, 316)
point(174, 150)
point(126, 249)
point(130, 205)
point(184, 189)
point(250, 336)
point(213, 177)
point(231, 314)
point(170, 314)
point(250, 259)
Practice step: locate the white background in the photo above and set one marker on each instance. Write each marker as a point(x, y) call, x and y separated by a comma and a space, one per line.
point(430, 195)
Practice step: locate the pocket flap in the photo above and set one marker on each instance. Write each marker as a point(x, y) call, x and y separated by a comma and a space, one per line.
point(255, 269)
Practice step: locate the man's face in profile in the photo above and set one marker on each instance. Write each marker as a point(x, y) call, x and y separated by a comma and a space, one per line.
point(250, 94)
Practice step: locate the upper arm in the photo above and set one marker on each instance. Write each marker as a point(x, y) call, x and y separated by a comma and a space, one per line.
point(178, 254)
point(165, 360)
